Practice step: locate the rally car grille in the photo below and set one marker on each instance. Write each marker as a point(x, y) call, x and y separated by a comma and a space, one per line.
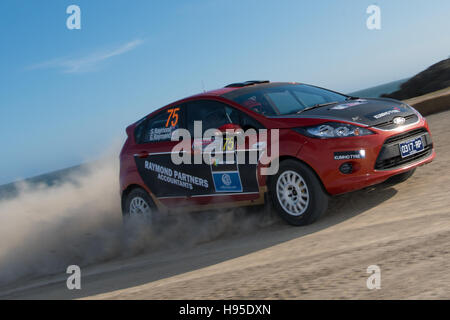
point(389, 125)
point(390, 158)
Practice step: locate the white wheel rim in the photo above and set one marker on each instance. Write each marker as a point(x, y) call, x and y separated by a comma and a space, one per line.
point(139, 207)
point(292, 193)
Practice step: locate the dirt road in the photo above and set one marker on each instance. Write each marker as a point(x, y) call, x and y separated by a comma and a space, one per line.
point(404, 229)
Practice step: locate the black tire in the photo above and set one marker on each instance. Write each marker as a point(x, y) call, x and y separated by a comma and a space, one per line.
point(401, 177)
point(139, 193)
point(318, 199)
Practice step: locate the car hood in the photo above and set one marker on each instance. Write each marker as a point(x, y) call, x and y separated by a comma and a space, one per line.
point(370, 112)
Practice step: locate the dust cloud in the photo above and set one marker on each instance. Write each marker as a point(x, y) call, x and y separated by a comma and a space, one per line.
point(78, 221)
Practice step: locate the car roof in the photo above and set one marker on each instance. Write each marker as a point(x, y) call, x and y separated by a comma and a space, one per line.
point(238, 88)
point(238, 91)
point(227, 92)
point(230, 91)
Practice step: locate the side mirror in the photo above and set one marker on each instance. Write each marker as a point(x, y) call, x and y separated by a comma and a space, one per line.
point(230, 127)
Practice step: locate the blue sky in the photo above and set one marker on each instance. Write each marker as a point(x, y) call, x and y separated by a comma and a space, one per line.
point(65, 95)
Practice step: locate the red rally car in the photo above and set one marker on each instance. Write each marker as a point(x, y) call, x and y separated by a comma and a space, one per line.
point(329, 143)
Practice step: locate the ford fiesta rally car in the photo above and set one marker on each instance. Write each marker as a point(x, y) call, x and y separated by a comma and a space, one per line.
point(329, 143)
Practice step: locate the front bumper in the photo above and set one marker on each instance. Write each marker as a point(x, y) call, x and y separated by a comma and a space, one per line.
point(381, 158)
point(390, 158)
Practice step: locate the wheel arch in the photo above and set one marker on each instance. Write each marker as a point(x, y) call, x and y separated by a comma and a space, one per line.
point(287, 157)
point(134, 186)
point(126, 192)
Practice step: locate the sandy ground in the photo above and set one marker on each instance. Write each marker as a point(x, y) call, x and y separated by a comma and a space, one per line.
point(404, 229)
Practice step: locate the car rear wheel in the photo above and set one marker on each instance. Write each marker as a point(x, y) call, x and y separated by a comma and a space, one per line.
point(138, 204)
point(297, 194)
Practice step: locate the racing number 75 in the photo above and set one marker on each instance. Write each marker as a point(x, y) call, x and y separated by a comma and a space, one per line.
point(229, 144)
point(173, 115)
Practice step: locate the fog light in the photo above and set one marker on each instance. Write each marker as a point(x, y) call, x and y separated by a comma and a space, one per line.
point(346, 168)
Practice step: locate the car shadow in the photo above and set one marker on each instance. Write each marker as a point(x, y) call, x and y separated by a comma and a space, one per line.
point(150, 267)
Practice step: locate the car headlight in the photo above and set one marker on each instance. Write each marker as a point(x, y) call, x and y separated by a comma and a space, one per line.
point(334, 130)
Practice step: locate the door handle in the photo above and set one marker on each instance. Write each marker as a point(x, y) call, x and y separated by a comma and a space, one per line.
point(142, 154)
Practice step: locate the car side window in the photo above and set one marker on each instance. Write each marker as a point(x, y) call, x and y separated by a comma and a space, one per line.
point(159, 128)
point(245, 121)
point(257, 103)
point(214, 114)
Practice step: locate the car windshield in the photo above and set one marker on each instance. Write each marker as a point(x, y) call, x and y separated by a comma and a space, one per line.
point(287, 99)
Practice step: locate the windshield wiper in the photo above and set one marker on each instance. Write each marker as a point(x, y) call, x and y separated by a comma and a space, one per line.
point(319, 105)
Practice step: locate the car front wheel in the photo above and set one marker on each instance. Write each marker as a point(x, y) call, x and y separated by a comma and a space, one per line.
point(297, 194)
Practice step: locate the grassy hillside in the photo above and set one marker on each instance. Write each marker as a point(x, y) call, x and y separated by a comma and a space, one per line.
point(434, 78)
point(49, 179)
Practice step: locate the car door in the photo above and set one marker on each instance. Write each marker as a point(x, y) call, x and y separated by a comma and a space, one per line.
point(153, 150)
point(226, 176)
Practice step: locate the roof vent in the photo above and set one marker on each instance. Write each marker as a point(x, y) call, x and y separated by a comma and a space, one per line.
point(246, 83)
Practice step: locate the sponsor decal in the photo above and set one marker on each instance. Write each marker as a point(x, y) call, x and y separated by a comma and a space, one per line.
point(386, 113)
point(158, 134)
point(226, 164)
point(226, 179)
point(348, 105)
point(229, 181)
point(350, 155)
point(175, 177)
point(226, 175)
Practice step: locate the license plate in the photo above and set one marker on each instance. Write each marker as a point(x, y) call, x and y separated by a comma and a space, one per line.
point(410, 147)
